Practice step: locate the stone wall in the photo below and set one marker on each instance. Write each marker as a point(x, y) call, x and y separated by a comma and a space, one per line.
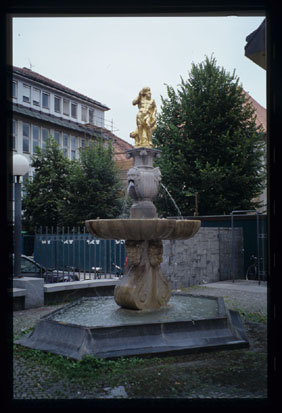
point(207, 257)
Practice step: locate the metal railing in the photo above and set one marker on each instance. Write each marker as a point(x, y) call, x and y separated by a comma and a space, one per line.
point(74, 254)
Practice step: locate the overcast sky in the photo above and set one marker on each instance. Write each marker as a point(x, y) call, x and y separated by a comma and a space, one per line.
point(110, 59)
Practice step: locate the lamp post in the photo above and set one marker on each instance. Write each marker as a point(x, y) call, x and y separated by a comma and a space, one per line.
point(20, 168)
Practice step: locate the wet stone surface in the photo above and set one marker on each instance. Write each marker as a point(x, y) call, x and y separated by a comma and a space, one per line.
point(104, 312)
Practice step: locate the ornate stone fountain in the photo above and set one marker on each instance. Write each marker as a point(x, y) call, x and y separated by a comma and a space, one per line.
point(140, 319)
point(143, 285)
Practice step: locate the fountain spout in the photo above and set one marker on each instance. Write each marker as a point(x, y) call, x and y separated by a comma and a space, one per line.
point(131, 190)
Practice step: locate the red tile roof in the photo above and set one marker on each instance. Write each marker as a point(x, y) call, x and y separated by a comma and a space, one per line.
point(120, 147)
point(260, 112)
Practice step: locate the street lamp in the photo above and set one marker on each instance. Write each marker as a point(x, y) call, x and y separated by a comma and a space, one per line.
point(20, 168)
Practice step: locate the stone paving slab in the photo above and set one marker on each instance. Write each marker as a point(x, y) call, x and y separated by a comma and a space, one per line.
point(247, 296)
point(17, 292)
point(240, 285)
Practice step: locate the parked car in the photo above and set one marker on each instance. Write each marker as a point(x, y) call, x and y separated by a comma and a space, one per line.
point(31, 268)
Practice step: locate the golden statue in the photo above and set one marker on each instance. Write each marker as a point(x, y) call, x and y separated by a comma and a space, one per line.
point(145, 119)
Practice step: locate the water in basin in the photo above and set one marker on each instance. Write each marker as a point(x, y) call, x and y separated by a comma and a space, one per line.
point(104, 312)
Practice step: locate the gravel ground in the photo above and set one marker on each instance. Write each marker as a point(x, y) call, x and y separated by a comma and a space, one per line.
point(222, 374)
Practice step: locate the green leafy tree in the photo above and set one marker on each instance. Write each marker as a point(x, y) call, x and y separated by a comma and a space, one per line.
point(66, 193)
point(46, 194)
point(95, 186)
point(210, 144)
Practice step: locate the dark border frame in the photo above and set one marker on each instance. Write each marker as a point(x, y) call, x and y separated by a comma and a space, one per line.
point(273, 14)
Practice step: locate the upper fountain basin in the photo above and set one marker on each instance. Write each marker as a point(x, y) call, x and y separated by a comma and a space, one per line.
point(143, 229)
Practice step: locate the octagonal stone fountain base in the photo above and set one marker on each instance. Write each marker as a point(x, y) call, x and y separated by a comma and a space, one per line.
point(98, 326)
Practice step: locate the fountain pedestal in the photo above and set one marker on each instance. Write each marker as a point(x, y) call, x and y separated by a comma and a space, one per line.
point(143, 286)
point(143, 182)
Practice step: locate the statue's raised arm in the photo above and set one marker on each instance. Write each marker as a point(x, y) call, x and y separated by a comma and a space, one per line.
point(145, 119)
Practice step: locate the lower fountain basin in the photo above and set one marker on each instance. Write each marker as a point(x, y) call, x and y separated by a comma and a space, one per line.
point(97, 326)
point(143, 229)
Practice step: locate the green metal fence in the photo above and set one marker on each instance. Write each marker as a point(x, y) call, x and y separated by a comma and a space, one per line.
point(75, 248)
point(77, 251)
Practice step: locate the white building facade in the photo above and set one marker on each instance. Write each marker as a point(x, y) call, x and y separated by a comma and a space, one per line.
point(42, 107)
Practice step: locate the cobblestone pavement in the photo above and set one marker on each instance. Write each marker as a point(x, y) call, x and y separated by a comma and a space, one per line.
point(206, 375)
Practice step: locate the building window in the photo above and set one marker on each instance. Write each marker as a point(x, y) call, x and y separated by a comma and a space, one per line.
point(57, 104)
point(99, 119)
point(14, 89)
point(14, 133)
point(57, 137)
point(66, 107)
point(65, 144)
point(36, 97)
point(84, 114)
point(74, 110)
point(45, 135)
point(26, 136)
point(91, 116)
point(26, 93)
point(45, 100)
point(35, 137)
point(73, 147)
point(82, 143)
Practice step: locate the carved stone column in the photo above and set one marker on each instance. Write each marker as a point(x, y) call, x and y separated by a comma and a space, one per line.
point(143, 286)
